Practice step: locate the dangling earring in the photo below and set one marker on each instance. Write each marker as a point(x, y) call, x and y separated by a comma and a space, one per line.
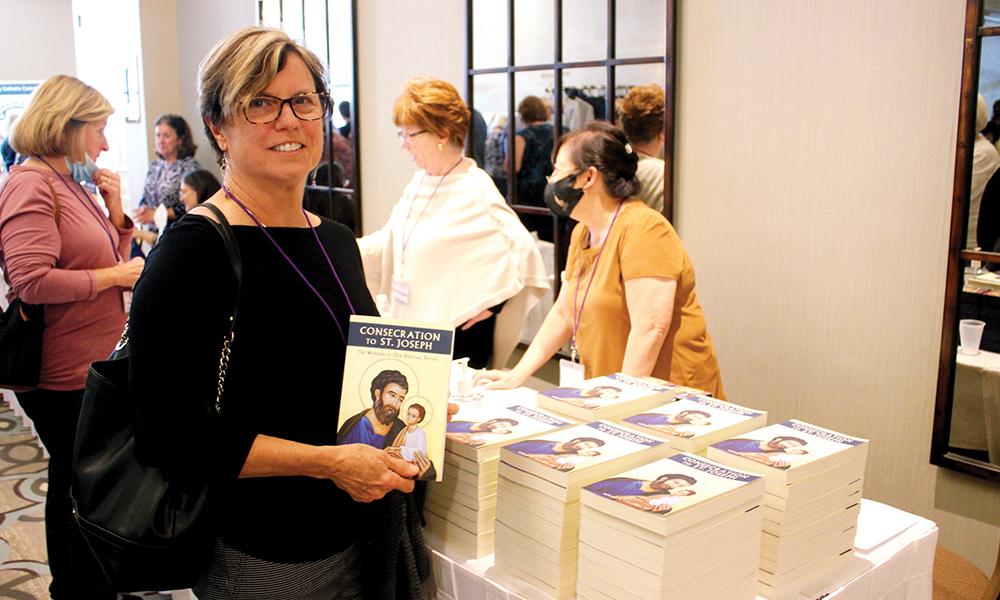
point(222, 163)
point(440, 146)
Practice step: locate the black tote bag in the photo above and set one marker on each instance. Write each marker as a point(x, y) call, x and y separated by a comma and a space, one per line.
point(147, 532)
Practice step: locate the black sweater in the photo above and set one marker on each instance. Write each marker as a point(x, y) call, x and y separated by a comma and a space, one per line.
point(284, 376)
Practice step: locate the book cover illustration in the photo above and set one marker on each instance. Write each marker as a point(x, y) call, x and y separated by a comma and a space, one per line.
point(788, 445)
point(602, 392)
point(671, 484)
point(578, 447)
point(485, 425)
point(395, 390)
point(693, 416)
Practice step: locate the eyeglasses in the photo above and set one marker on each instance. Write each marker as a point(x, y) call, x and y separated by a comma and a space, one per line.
point(554, 177)
point(402, 135)
point(265, 109)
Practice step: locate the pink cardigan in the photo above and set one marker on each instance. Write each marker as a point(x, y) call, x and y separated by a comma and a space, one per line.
point(49, 264)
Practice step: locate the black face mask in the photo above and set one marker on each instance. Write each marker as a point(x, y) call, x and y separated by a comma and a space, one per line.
point(561, 197)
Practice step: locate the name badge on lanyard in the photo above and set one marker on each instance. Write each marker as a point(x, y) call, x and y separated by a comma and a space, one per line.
point(127, 300)
point(571, 374)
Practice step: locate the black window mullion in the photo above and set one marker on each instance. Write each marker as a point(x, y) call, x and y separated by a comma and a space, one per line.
point(669, 82)
point(511, 118)
point(609, 91)
point(469, 79)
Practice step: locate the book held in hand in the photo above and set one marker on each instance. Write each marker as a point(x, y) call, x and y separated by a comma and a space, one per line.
point(395, 390)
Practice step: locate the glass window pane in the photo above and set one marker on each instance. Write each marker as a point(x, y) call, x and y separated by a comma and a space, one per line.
point(490, 101)
point(984, 197)
point(991, 13)
point(315, 31)
point(291, 19)
point(640, 28)
point(270, 13)
point(533, 141)
point(585, 30)
point(584, 93)
point(489, 34)
point(534, 31)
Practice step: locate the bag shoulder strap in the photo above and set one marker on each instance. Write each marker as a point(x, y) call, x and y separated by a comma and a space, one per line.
point(233, 250)
point(55, 199)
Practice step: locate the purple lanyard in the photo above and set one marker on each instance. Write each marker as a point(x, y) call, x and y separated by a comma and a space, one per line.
point(406, 237)
point(333, 270)
point(91, 209)
point(578, 313)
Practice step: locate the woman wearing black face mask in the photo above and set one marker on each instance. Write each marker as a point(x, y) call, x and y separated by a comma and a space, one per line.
point(628, 304)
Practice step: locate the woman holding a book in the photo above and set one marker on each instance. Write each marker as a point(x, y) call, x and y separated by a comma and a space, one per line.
point(628, 304)
point(289, 506)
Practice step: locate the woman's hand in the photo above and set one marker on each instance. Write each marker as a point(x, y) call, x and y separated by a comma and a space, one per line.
point(486, 314)
point(498, 380)
point(128, 272)
point(367, 473)
point(144, 214)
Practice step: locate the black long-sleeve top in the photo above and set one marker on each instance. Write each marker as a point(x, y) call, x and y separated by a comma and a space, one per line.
point(284, 376)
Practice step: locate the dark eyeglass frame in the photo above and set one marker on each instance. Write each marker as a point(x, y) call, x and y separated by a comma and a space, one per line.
point(323, 97)
point(402, 135)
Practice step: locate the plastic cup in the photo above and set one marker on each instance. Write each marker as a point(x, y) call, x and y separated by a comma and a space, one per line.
point(970, 332)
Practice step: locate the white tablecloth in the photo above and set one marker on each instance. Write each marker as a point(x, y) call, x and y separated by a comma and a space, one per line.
point(975, 413)
point(893, 560)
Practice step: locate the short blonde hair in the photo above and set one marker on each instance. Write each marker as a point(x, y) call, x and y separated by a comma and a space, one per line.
point(241, 66)
point(433, 105)
point(641, 113)
point(53, 122)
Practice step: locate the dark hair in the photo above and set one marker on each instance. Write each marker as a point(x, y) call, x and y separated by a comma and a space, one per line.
point(180, 126)
point(532, 109)
point(603, 146)
point(789, 438)
point(345, 109)
point(420, 410)
point(694, 412)
point(513, 422)
point(597, 441)
point(385, 378)
point(687, 478)
point(203, 183)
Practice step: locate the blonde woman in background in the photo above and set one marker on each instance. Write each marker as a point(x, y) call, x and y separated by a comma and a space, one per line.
point(452, 251)
point(641, 116)
point(59, 249)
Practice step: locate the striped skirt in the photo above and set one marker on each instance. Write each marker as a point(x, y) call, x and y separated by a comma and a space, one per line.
point(235, 575)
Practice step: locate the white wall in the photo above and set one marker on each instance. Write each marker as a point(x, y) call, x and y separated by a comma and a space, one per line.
point(199, 26)
point(398, 40)
point(29, 55)
point(815, 156)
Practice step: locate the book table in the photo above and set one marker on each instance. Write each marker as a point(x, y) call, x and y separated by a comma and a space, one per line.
point(893, 559)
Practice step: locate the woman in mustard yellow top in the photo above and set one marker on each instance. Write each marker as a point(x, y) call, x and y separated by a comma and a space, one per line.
point(628, 302)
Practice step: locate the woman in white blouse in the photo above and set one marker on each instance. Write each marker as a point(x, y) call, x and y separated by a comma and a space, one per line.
point(452, 251)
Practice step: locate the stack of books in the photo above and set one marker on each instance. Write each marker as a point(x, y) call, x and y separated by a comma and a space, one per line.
point(682, 527)
point(695, 421)
point(814, 481)
point(538, 508)
point(460, 509)
point(609, 397)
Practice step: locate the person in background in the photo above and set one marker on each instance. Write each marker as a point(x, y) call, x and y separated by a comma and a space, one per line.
point(985, 162)
point(533, 162)
point(290, 513)
point(9, 155)
point(629, 302)
point(452, 251)
point(641, 117)
point(479, 138)
point(198, 186)
point(496, 153)
point(175, 150)
point(532, 151)
point(63, 248)
point(344, 108)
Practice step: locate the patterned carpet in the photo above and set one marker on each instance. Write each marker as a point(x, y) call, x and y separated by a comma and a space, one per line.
point(24, 570)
